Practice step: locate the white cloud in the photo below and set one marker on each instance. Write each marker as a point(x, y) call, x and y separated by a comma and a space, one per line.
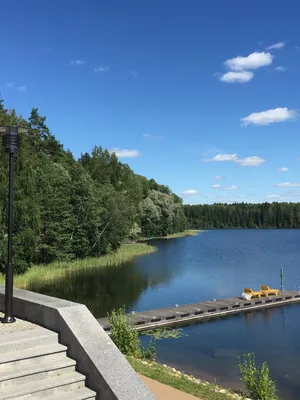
point(278, 45)
point(102, 69)
point(287, 185)
point(230, 187)
point(254, 161)
point(189, 193)
point(252, 61)
point(273, 196)
point(152, 137)
point(280, 68)
point(267, 117)
point(225, 157)
point(124, 153)
point(77, 62)
point(283, 169)
point(12, 85)
point(237, 77)
point(134, 74)
point(219, 178)
point(216, 186)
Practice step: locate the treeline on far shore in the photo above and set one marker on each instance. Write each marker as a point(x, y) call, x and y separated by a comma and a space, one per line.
point(243, 215)
point(67, 208)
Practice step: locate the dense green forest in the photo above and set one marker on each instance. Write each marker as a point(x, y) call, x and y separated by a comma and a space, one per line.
point(243, 215)
point(67, 208)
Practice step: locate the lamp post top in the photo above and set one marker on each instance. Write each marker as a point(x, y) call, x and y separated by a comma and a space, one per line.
point(11, 140)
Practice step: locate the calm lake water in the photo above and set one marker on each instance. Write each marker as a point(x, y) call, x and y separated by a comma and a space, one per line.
point(214, 264)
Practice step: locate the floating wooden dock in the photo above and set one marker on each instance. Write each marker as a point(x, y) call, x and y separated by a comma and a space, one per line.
point(164, 317)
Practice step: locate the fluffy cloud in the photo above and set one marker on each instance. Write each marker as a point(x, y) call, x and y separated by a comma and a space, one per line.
point(77, 62)
point(276, 46)
point(216, 186)
point(267, 117)
point(287, 185)
point(254, 161)
point(219, 178)
point(238, 77)
point(152, 137)
point(283, 169)
point(102, 69)
point(230, 187)
point(252, 61)
point(189, 193)
point(280, 68)
point(124, 153)
point(225, 157)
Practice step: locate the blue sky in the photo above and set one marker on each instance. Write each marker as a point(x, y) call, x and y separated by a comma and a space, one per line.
point(200, 95)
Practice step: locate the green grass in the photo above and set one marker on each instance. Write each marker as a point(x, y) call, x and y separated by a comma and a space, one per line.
point(190, 232)
point(183, 382)
point(51, 273)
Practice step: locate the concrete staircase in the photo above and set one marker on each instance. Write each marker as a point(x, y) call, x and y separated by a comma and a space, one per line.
point(33, 365)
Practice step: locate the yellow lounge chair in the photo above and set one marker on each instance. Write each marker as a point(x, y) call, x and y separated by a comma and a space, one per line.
point(252, 293)
point(267, 291)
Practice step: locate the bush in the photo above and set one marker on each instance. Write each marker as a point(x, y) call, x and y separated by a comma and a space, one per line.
point(124, 335)
point(257, 379)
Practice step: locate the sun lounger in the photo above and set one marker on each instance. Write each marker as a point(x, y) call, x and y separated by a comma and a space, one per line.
point(251, 293)
point(267, 291)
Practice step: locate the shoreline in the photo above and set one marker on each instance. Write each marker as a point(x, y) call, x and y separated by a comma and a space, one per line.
point(60, 269)
point(181, 381)
point(186, 233)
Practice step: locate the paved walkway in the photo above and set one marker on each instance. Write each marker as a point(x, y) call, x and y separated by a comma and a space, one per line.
point(165, 392)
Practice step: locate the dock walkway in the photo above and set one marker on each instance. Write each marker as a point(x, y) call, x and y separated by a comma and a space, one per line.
point(164, 317)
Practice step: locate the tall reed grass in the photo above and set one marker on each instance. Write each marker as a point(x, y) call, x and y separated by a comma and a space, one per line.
point(51, 273)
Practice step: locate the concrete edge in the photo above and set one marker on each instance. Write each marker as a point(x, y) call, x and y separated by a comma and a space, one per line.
point(107, 371)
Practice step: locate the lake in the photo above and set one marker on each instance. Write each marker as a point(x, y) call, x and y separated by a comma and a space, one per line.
point(213, 264)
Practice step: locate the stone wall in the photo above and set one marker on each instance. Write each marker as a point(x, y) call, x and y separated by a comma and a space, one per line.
point(107, 370)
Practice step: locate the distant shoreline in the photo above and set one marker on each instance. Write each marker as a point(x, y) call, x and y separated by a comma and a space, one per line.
point(187, 233)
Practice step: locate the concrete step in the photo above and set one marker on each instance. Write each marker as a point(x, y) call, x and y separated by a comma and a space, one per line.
point(50, 386)
point(16, 375)
point(16, 356)
point(22, 340)
point(77, 394)
point(38, 359)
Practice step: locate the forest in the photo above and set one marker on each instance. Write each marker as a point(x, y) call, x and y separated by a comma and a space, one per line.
point(243, 215)
point(66, 208)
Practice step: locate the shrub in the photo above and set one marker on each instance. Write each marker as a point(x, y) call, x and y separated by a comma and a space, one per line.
point(257, 379)
point(124, 335)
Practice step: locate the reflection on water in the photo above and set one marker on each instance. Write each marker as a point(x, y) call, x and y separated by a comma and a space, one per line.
point(101, 290)
point(214, 264)
point(210, 349)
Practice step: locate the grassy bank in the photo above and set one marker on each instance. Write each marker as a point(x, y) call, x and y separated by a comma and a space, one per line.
point(185, 383)
point(51, 273)
point(190, 232)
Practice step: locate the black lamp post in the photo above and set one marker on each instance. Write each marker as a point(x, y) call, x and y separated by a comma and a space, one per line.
point(11, 146)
